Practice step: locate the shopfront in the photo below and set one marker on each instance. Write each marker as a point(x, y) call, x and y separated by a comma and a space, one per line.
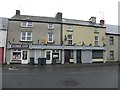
point(20, 54)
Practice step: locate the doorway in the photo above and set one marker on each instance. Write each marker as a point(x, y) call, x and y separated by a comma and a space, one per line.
point(24, 57)
point(48, 55)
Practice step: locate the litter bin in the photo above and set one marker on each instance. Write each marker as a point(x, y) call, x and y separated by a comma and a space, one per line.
point(41, 61)
point(54, 60)
point(44, 61)
point(32, 60)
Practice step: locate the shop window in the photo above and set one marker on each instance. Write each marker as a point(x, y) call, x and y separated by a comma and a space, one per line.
point(16, 55)
point(97, 54)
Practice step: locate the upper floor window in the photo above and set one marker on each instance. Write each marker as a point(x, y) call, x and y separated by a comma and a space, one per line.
point(111, 40)
point(111, 55)
point(50, 37)
point(69, 28)
point(27, 24)
point(26, 36)
point(96, 40)
point(96, 30)
point(69, 39)
point(50, 26)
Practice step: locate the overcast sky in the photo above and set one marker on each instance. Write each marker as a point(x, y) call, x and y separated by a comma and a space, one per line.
point(72, 9)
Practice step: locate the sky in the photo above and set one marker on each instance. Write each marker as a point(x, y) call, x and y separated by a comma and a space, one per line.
point(72, 9)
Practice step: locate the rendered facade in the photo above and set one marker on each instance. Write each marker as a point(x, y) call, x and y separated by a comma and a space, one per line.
point(112, 43)
point(66, 40)
point(3, 35)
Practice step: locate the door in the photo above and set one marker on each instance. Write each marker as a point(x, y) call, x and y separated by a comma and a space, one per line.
point(24, 57)
point(48, 55)
point(37, 55)
point(67, 56)
point(78, 56)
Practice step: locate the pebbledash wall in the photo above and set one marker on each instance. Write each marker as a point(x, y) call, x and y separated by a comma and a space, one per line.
point(67, 40)
point(112, 43)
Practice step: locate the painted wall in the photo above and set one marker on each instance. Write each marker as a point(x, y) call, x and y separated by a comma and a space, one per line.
point(3, 35)
point(84, 34)
point(39, 32)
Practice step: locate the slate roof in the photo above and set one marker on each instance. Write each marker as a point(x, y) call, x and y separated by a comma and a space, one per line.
point(81, 22)
point(54, 20)
point(112, 29)
point(34, 18)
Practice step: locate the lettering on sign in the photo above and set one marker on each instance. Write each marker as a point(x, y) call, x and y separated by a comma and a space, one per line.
point(20, 46)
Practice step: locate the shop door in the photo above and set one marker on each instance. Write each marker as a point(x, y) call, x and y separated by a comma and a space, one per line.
point(78, 56)
point(24, 57)
point(48, 55)
point(67, 56)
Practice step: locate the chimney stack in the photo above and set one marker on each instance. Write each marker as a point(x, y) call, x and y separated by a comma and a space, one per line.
point(59, 16)
point(92, 20)
point(102, 22)
point(17, 12)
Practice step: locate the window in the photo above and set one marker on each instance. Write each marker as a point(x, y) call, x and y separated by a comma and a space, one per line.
point(17, 55)
point(69, 28)
point(111, 55)
point(27, 24)
point(111, 40)
point(50, 26)
point(96, 30)
point(96, 40)
point(50, 37)
point(69, 39)
point(97, 54)
point(26, 36)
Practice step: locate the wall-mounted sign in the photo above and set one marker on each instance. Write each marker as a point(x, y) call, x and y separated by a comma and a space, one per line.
point(20, 46)
point(56, 55)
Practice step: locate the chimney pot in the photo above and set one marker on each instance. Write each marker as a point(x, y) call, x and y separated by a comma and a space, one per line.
point(102, 22)
point(59, 16)
point(92, 20)
point(17, 12)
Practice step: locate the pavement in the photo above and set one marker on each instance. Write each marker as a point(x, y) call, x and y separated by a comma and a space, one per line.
point(58, 65)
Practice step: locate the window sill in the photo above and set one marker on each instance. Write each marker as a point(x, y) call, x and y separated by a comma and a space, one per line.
point(50, 28)
point(25, 41)
point(70, 30)
point(51, 42)
point(96, 32)
point(27, 26)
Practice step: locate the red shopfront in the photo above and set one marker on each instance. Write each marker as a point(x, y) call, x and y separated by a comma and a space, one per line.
point(1, 55)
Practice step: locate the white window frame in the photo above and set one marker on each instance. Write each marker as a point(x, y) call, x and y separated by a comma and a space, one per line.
point(27, 24)
point(69, 28)
point(112, 55)
point(50, 37)
point(68, 39)
point(16, 51)
point(26, 36)
point(111, 40)
point(96, 40)
point(50, 26)
point(96, 30)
